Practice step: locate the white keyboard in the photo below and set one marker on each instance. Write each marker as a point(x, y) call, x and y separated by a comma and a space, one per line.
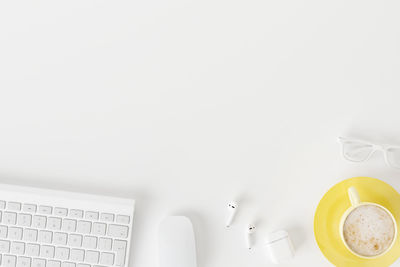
point(48, 228)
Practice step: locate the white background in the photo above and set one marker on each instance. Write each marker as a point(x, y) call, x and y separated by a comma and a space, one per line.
point(186, 105)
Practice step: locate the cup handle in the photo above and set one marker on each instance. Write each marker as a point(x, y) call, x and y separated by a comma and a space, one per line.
point(354, 196)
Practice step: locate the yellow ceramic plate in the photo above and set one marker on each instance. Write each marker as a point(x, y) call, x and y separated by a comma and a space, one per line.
point(329, 212)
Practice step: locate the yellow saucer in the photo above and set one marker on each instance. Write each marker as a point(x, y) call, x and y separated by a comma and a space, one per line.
point(329, 212)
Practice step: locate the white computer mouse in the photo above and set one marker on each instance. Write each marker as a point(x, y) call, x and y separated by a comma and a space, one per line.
point(177, 243)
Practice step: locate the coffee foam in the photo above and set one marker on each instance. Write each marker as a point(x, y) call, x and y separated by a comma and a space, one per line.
point(369, 230)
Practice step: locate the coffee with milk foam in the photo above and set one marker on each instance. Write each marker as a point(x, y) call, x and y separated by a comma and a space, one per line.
point(369, 230)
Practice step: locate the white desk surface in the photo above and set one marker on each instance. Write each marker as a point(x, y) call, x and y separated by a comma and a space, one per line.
point(185, 105)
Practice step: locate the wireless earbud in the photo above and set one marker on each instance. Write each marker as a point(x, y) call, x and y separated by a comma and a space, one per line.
point(250, 231)
point(232, 206)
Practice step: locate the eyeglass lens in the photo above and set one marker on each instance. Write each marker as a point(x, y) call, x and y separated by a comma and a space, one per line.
point(393, 157)
point(357, 151)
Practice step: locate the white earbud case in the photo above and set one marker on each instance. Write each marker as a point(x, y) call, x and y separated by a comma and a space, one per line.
point(280, 247)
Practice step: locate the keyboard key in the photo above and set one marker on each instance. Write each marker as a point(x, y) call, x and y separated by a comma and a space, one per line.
point(23, 262)
point(119, 247)
point(92, 256)
point(2, 204)
point(16, 206)
point(45, 210)
point(60, 238)
point(107, 217)
point(24, 219)
point(9, 261)
point(77, 255)
point(53, 223)
point(30, 235)
point(4, 246)
point(32, 250)
point(117, 231)
point(91, 215)
point(60, 211)
point(83, 227)
point(3, 231)
point(39, 221)
point(76, 213)
point(82, 265)
point(38, 263)
point(105, 243)
point(61, 253)
point(89, 242)
point(10, 218)
point(123, 219)
point(17, 248)
point(75, 240)
point(99, 229)
point(47, 251)
point(53, 263)
point(107, 258)
point(45, 237)
point(29, 208)
point(68, 225)
point(68, 264)
point(15, 233)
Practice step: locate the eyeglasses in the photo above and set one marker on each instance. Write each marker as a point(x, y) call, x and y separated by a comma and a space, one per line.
point(358, 151)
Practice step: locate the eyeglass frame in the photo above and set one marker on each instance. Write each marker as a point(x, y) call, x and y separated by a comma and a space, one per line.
point(374, 147)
